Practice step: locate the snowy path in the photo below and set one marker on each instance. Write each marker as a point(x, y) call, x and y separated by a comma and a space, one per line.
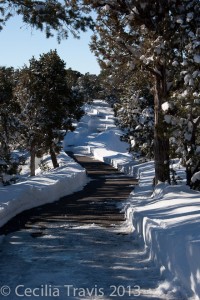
point(81, 253)
point(87, 257)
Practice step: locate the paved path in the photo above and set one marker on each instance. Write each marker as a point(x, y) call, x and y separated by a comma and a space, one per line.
point(75, 248)
point(96, 203)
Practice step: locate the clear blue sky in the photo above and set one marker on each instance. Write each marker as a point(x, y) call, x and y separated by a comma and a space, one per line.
point(19, 43)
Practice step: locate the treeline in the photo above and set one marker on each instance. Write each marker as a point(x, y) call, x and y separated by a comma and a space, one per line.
point(38, 105)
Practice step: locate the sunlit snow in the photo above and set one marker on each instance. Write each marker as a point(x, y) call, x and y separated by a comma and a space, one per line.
point(161, 255)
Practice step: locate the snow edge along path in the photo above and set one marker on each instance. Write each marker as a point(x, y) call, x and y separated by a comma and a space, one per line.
point(48, 187)
point(166, 221)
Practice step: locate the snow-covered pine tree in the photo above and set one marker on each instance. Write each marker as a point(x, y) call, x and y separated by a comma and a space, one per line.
point(135, 115)
point(191, 94)
point(182, 117)
point(48, 105)
point(50, 15)
point(153, 35)
point(182, 110)
point(28, 94)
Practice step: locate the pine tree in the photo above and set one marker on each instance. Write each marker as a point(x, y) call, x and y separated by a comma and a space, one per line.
point(28, 94)
point(48, 105)
point(135, 116)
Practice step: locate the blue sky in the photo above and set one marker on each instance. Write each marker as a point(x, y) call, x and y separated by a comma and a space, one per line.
point(19, 43)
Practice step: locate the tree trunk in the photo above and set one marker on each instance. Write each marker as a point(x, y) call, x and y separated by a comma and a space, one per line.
point(32, 161)
point(161, 154)
point(188, 175)
point(161, 140)
point(53, 158)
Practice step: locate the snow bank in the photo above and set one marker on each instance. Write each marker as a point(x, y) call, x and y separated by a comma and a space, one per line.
point(44, 188)
point(167, 221)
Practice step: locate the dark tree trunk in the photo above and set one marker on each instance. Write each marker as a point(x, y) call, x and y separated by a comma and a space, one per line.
point(188, 175)
point(53, 158)
point(32, 161)
point(161, 153)
point(161, 140)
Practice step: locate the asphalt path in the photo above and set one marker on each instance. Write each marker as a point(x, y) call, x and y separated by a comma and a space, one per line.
point(95, 204)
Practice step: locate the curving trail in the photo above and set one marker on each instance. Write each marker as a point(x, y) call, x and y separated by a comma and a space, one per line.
point(76, 248)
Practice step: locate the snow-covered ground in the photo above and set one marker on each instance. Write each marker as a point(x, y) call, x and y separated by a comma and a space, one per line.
point(165, 220)
point(44, 188)
point(77, 263)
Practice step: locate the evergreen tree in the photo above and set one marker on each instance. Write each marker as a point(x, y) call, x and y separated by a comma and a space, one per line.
point(88, 86)
point(49, 107)
point(135, 115)
point(115, 82)
point(28, 94)
point(182, 116)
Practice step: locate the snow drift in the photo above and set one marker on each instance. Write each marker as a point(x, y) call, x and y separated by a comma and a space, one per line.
point(44, 188)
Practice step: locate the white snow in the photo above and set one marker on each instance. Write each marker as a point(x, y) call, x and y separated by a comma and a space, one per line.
point(197, 150)
point(175, 63)
point(97, 135)
point(168, 223)
point(190, 16)
point(168, 119)
point(197, 59)
point(166, 106)
point(165, 220)
point(44, 188)
point(85, 262)
point(133, 143)
point(188, 136)
point(187, 79)
point(195, 177)
point(179, 20)
point(106, 7)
